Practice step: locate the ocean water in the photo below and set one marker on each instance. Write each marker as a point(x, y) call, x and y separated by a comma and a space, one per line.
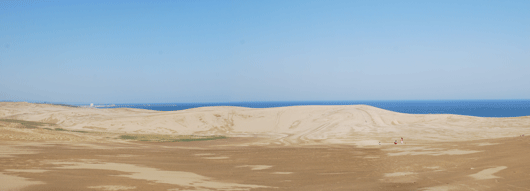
point(480, 108)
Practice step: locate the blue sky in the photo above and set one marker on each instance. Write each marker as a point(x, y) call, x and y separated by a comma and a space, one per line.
point(221, 51)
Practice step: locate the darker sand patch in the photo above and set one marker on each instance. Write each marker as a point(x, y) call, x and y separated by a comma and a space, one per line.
point(11, 182)
point(181, 178)
point(143, 165)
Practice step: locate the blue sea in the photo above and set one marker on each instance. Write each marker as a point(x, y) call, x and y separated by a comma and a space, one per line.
point(480, 108)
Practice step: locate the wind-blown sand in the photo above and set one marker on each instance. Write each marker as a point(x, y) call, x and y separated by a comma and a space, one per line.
point(286, 148)
point(353, 124)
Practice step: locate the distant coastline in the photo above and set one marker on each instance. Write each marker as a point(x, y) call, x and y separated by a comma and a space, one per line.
point(479, 108)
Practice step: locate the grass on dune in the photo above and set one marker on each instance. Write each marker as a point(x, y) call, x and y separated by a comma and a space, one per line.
point(170, 138)
point(61, 129)
point(27, 124)
point(79, 131)
point(35, 125)
point(137, 137)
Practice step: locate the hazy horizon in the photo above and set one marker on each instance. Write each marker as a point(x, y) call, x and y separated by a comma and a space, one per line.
point(279, 101)
point(250, 51)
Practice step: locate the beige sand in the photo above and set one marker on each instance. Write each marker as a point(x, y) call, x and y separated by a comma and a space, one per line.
point(360, 125)
point(112, 187)
point(282, 173)
point(10, 182)
point(170, 166)
point(288, 148)
point(10, 151)
point(186, 179)
point(27, 170)
point(256, 167)
point(394, 174)
point(488, 173)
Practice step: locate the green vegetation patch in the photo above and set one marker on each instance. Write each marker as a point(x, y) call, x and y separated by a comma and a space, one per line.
point(129, 137)
point(79, 131)
point(203, 138)
point(27, 124)
point(170, 138)
point(35, 125)
point(61, 129)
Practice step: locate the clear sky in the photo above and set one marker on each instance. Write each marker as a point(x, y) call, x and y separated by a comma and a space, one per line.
point(221, 51)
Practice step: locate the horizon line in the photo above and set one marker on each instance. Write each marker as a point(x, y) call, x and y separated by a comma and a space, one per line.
point(234, 102)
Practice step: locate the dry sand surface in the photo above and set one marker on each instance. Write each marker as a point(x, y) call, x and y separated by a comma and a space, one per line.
point(49, 147)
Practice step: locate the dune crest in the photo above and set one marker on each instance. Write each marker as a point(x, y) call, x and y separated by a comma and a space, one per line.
point(349, 124)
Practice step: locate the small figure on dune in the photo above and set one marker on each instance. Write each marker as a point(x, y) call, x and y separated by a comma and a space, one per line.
point(379, 143)
point(395, 142)
point(401, 140)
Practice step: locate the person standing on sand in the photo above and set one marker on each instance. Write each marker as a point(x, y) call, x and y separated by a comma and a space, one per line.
point(395, 142)
point(401, 140)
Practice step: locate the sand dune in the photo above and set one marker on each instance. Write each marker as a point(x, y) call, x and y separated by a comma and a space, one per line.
point(46, 147)
point(352, 124)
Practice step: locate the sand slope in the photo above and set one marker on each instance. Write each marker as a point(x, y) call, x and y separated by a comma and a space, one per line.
point(288, 148)
point(352, 124)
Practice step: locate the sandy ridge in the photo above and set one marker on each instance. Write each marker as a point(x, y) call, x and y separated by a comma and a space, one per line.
point(350, 124)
